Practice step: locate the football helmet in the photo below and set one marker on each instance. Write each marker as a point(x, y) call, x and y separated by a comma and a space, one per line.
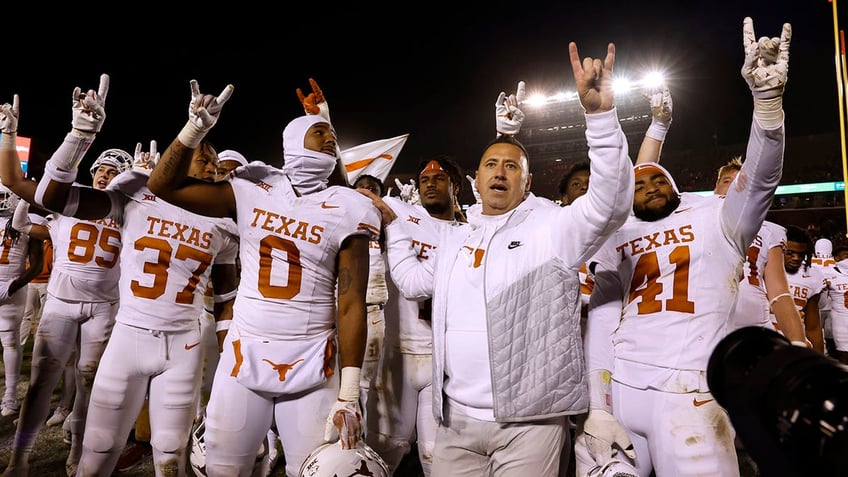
point(117, 158)
point(330, 460)
point(197, 458)
point(823, 248)
point(8, 202)
point(614, 468)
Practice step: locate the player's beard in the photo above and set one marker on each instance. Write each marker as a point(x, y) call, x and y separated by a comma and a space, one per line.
point(652, 215)
point(437, 207)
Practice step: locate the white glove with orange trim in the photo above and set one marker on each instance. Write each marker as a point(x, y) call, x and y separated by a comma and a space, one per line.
point(315, 102)
point(144, 162)
point(508, 116)
point(89, 109)
point(661, 108)
point(203, 113)
point(605, 437)
point(345, 418)
point(766, 71)
point(9, 116)
point(409, 192)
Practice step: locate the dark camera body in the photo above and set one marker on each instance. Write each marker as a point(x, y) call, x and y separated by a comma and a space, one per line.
point(789, 405)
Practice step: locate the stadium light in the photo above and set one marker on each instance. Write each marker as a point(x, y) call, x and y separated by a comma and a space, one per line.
point(621, 85)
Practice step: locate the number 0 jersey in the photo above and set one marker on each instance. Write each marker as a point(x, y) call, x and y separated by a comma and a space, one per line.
point(166, 258)
point(288, 250)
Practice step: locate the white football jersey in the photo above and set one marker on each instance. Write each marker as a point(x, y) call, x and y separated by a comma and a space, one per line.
point(408, 322)
point(288, 251)
point(166, 257)
point(752, 305)
point(837, 292)
point(13, 254)
point(377, 294)
point(86, 257)
point(677, 280)
point(824, 265)
point(804, 284)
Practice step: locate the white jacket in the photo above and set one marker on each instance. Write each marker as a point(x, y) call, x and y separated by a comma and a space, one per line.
point(531, 286)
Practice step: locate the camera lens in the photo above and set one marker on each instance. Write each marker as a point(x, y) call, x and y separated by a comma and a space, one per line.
point(788, 404)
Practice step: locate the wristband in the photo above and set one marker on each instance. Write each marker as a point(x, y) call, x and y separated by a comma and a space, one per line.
point(771, 302)
point(53, 174)
point(801, 344)
point(223, 325)
point(657, 130)
point(83, 134)
point(8, 141)
point(600, 390)
point(226, 296)
point(769, 112)
point(190, 136)
point(349, 386)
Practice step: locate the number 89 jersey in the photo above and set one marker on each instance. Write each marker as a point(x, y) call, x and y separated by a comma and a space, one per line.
point(166, 258)
point(677, 279)
point(288, 250)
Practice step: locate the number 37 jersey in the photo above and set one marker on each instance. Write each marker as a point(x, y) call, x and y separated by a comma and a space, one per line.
point(288, 250)
point(166, 258)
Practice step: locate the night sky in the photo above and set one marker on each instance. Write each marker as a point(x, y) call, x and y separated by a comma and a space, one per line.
point(430, 69)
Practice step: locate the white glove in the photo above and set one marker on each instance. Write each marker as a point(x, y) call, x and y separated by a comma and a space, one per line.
point(408, 192)
point(474, 191)
point(603, 431)
point(89, 109)
point(314, 103)
point(144, 162)
point(203, 113)
point(661, 108)
point(766, 71)
point(766, 61)
point(9, 116)
point(508, 116)
point(345, 423)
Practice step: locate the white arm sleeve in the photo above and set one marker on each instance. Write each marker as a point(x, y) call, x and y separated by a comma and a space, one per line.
point(751, 193)
point(20, 221)
point(609, 199)
point(413, 277)
point(605, 305)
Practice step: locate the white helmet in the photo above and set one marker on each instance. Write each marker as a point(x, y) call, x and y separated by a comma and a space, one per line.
point(117, 158)
point(824, 248)
point(197, 458)
point(8, 202)
point(614, 468)
point(330, 460)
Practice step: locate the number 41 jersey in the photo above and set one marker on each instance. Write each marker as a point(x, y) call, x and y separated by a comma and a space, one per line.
point(677, 279)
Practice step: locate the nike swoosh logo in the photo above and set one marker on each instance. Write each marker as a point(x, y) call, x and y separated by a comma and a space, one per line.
point(325, 206)
point(377, 322)
point(513, 245)
point(682, 210)
point(190, 346)
point(700, 403)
